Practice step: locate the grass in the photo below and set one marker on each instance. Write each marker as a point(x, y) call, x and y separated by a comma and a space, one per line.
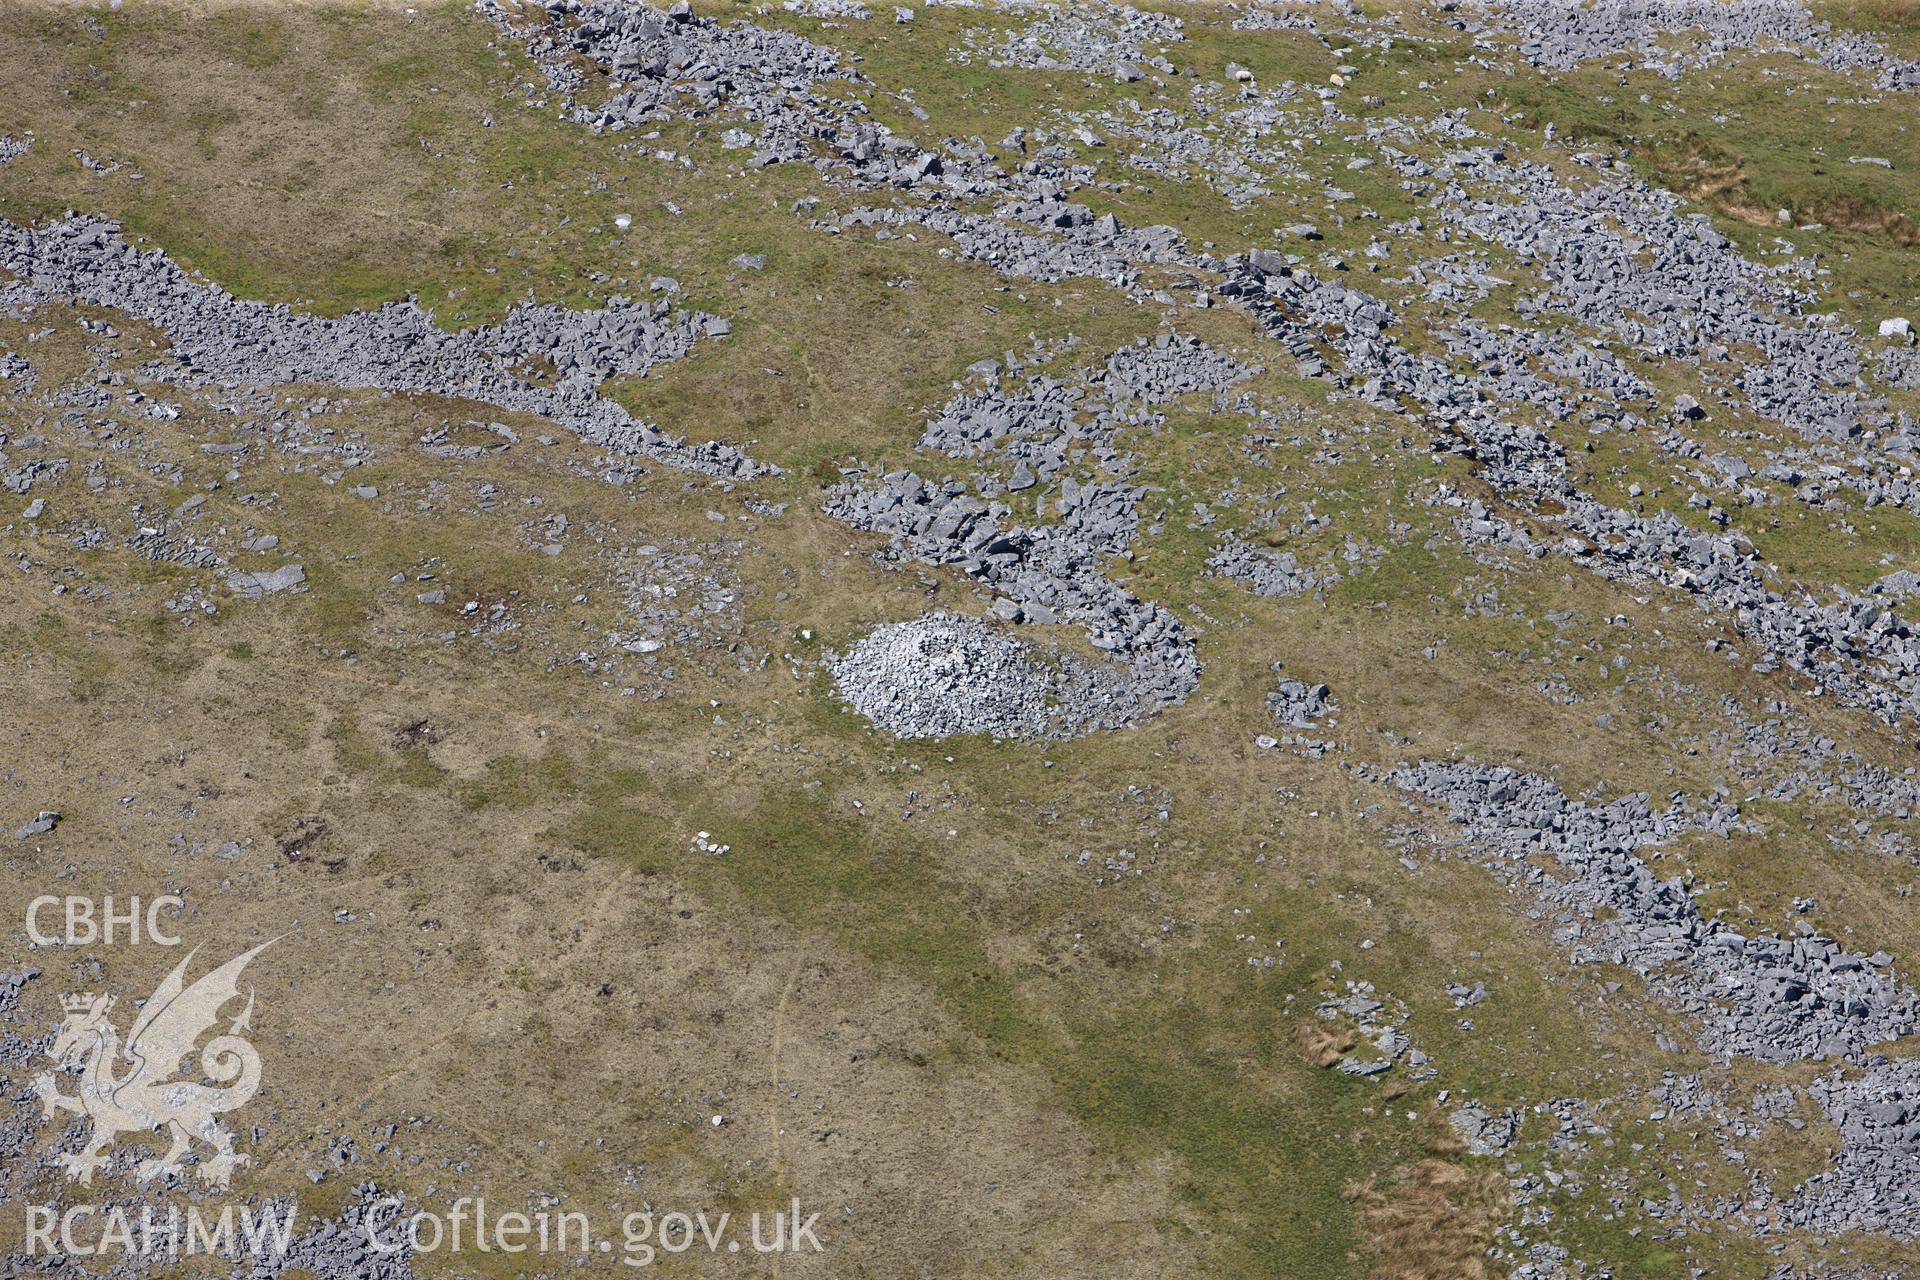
point(622, 819)
point(512, 782)
point(1895, 21)
point(1191, 1068)
point(568, 914)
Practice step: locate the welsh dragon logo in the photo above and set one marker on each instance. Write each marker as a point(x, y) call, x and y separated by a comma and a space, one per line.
point(139, 1088)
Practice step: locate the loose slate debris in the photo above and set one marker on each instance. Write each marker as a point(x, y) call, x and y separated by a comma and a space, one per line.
point(1037, 424)
point(1379, 1021)
point(1773, 999)
point(681, 601)
point(1275, 574)
point(777, 82)
point(1298, 705)
point(342, 1248)
point(19, 1107)
point(1872, 1185)
point(1561, 34)
point(1054, 572)
point(671, 61)
point(1796, 996)
point(224, 341)
point(1044, 573)
point(1096, 249)
point(1229, 141)
point(12, 148)
point(1866, 654)
point(942, 674)
point(830, 9)
point(1104, 37)
point(1625, 256)
point(1167, 368)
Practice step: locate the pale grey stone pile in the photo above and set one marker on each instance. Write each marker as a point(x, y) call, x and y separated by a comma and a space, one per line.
point(941, 675)
point(1053, 572)
point(1047, 573)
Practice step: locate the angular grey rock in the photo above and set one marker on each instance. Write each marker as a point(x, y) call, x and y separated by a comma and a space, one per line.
point(1486, 1133)
point(46, 821)
point(254, 586)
